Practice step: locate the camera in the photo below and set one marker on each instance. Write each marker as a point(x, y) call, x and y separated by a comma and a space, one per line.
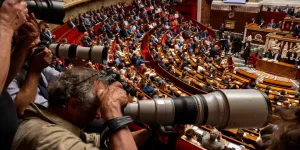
point(48, 10)
point(223, 109)
point(96, 54)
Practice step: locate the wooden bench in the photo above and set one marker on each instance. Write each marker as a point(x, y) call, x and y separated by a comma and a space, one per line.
point(246, 74)
point(277, 83)
point(289, 91)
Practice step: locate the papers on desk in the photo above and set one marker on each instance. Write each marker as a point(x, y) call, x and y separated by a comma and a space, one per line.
point(297, 101)
point(265, 59)
point(236, 147)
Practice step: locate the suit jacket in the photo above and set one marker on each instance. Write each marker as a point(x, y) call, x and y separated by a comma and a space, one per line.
point(87, 42)
point(71, 24)
point(289, 56)
point(278, 57)
point(213, 52)
point(247, 52)
point(45, 37)
point(297, 15)
point(262, 24)
point(272, 25)
point(296, 31)
point(222, 29)
point(279, 25)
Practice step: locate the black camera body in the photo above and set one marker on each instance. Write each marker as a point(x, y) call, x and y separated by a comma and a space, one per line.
point(41, 47)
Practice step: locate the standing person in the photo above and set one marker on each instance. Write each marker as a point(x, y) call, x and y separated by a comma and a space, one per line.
point(13, 17)
point(296, 31)
point(221, 30)
point(237, 44)
point(247, 52)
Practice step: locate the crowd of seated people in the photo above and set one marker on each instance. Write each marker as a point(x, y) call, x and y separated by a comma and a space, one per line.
point(182, 48)
point(143, 82)
point(290, 10)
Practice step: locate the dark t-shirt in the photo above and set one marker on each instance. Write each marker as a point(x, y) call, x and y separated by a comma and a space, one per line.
point(8, 121)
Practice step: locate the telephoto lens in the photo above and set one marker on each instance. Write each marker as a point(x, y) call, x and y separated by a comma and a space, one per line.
point(48, 10)
point(223, 109)
point(96, 54)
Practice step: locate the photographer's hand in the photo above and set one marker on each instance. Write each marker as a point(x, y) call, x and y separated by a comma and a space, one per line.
point(41, 61)
point(12, 15)
point(112, 99)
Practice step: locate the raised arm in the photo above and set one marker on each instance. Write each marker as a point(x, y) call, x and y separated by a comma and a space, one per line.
point(27, 93)
point(27, 38)
point(111, 101)
point(12, 16)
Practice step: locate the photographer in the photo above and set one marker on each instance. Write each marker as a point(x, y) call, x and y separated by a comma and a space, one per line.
point(75, 99)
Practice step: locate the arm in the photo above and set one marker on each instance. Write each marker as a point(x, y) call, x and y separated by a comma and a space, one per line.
point(12, 16)
point(28, 33)
point(5, 40)
point(111, 100)
point(27, 93)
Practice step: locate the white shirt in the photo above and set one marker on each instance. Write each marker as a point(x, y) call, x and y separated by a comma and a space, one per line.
point(200, 68)
point(276, 55)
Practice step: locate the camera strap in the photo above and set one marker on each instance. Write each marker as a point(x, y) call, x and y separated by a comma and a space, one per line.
point(112, 126)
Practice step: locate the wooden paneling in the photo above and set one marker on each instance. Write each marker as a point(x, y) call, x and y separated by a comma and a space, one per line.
point(220, 16)
point(279, 68)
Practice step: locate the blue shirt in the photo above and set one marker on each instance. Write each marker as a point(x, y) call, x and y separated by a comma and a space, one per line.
point(148, 90)
point(139, 61)
point(48, 74)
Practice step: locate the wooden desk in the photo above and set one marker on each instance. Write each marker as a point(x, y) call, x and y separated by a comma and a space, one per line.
point(289, 91)
point(246, 74)
point(259, 35)
point(279, 68)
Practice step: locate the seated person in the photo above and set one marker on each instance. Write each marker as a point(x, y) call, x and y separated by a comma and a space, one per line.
point(141, 96)
point(210, 141)
point(86, 40)
point(276, 56)
point(189, 136)
point(276, 100)
point(285, 112)
point(148, 89)
point(268, 90)
point(282, 94)
point(252, 85)
point(272, 24)
point(208, 88)
point(297, 15)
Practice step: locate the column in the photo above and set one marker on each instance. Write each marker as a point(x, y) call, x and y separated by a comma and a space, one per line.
point(199, 10)
point(205, 11)
point(266, 45)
